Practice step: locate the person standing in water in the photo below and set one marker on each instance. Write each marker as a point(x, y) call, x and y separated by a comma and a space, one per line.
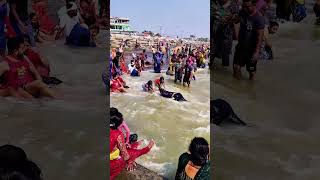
point(226, 12)
point(251, 32)
point(316, 10)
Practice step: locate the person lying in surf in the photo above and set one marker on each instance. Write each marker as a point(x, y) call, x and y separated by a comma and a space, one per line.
point(148, 87)
point(40, 63)
point(173, 95)
point(20, 75)
point(159, 83)
point(133, 70)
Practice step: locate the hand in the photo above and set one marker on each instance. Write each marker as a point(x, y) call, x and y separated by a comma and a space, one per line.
point(131, 166)
point(255, 57)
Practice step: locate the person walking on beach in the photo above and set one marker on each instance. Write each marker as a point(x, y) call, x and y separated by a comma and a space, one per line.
point(247, 53)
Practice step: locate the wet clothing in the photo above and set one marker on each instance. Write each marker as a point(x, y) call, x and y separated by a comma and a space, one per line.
point(47, 25)
point(248, 37)
point(79, 36)
point(146, 87)
point(133, 70)
point(223, 32)
point(202, 174)
point(23, 13)
point(36, 60)
point(117, 142)
point(19, 73)
point(187, 74)
point(178, 72)
point(175, 96)
point(157, 62)
point(299, 11)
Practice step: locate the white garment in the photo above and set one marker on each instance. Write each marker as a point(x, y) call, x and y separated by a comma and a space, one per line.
point(131, 68)
point(68, 23)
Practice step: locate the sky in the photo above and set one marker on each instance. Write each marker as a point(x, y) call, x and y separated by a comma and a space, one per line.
point(172, 17)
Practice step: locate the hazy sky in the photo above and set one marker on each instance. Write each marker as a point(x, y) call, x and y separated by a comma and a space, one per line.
point(176, 17)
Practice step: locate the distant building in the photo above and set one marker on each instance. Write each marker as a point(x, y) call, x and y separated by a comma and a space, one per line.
point(120, 25)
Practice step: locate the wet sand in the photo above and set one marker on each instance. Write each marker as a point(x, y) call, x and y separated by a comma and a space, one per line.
point(65, 137)
point(282, 109)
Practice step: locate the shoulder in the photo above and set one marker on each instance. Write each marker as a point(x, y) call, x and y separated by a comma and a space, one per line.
point(185, 157)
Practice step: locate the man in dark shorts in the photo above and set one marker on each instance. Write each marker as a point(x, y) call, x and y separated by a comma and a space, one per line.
point(19, 18)
point(247, 52)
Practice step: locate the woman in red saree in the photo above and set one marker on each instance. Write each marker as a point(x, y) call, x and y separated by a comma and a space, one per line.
point(122, 156)
point(47, 25)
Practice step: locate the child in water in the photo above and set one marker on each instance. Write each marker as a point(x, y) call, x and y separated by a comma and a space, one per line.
point(148, 87)
point(159, 83)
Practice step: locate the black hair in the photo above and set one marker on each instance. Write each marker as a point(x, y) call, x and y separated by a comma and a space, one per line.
point(32, 15)
point(161, 78)
point(273, 23)
point(14, 165)
point(116, 120)
point(199, 149)
point(13, 44)
point(149, 83)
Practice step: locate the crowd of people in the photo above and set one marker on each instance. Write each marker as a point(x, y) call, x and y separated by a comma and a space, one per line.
point(182, 62)
point(250, 22)
point(125, 149)
point(24, 72)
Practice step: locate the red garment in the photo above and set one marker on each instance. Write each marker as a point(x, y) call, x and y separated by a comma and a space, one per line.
point(47, 25)
point(124, 68)
point(115, 85)
point(36, 60)
point(10, 33)
point(157, 82)
point(117, 141)
point(19, 73)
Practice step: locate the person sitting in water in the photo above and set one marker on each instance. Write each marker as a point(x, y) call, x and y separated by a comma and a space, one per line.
point(20, 74)
point(133, 70)
point(40, 64)
point(148, 87)
point(159, 83)
point(15, 164)
point(117, 84)
point(131, 139)
point(120, 155)
point(143, 58)
point(174, 95)
point(77, 33)
point(195, 164)
point(266, 46)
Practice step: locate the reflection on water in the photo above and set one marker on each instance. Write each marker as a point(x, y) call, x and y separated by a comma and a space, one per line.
point(65, 137)
point(282, 107)
point(171, 124)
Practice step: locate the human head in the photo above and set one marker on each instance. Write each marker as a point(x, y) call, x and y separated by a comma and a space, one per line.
point(94, 30)
point(249, 6)
point(14, 165)
point(33, 18)
point(199, 149)
point(273, 27)
point(116, 118)
point(162, 79)
point(72, 9)
point(149, 83)
point(16, 46)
